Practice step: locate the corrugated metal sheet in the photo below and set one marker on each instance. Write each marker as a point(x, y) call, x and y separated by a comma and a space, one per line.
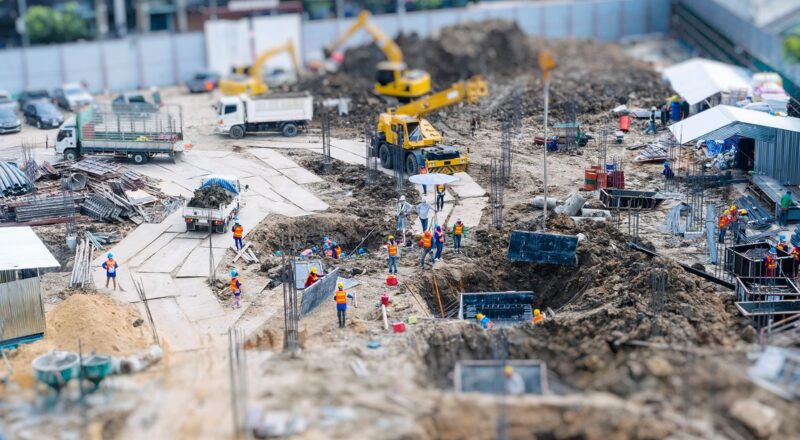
point(780, 159)
point(764, 134)
point(700, 125)
point(21, 309)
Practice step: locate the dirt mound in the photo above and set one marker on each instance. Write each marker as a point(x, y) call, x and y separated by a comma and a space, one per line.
point(103, 324)
point(210, 197)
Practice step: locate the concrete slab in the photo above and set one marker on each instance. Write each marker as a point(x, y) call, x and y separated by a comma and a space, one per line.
point(159, 243)
point(173, 189)
point(200, 305)
point(169, 258)
point(253, 210)
point(355, 147)
point(260, 186)
point(138, 239)
point(470, 211)
point(296, 194)
point(219, 325)
point(273, 159)
point(348, 157)
point(300, 176)
point(172, 325)
point(156, 285)
point(466, 187)
point(287, 209)
point(184, 170)
point(126, 291)
point(196, 264)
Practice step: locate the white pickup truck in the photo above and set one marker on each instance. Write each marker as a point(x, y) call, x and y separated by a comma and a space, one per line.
point(285, 113)
point(214, 205)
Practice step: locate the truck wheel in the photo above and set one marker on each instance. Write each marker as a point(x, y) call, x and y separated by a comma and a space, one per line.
point(70, 154)
point(385, 154)
point(237, 132)
point(289, 130)
point(139, 158)
point(412, 165)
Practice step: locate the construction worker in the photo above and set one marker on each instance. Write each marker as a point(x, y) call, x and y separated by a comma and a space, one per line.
point(438, 240)
point(459, 232)
point(514, 383)
point(111, 270)
point(423, 169)
point(337, 250)
point(796, 258)
point(724, 220)
point(236, 289)
point(340, 296)
point(394, 252)
point(424, 211)
point(484, 321)
point(440, 191)
point(771, 263)
point(782, 244)
point(733, 213)
point(426, 244)
point(785, 204)
point(238, 232)
point(668, 173)
point(651, 126)
point(327, 251)
point(739, 225)
point(403, 209)
point(538, 317)
point(312, 277)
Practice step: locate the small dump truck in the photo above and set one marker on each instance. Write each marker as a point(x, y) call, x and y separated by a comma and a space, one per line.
point(214, 204)
point(285, 113)
point(136, 136)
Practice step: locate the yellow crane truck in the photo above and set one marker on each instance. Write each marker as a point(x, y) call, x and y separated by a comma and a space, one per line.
point(403, 135)
point(393, 78)
point(254, 84)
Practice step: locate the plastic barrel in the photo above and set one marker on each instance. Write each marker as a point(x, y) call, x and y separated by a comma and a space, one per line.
point(590, 180)
point(602, 180)
point(625, 123)
point(618, 179)
point(610, 167)
point(597, 168)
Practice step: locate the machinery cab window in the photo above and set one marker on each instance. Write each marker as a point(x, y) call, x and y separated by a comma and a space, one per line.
point(414, 133)
point(385, 77)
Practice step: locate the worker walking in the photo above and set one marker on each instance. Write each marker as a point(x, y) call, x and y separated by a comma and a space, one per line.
point(651, 126)
point(438, 240)
point(340, 296)
point(393, 252)
point(440, 191)
point(402, 211)
point(427, 244)
point(538, 317)
point(236, 289)
point(786, 203)
point(312, 277)
point(484, 321)
point(238, 232)
point(514, 383)
point(459, 232)
point(111, 270)
point(424, 211)
point(724, 220)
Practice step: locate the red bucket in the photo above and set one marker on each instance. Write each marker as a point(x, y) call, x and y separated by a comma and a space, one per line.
point(625, 123)
point(399, 327)
point(590, 180)
point(391, 280)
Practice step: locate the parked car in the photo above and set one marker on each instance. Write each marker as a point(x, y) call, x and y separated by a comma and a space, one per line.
point(31, 95)
point(9, 122)
point(73, 96)
point(42, 114)
point(279, 77)
point(6, 101)
point(203, 82)
point(137, 102)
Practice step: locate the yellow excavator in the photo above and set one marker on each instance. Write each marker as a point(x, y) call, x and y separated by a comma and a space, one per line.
point(403, 138)
point(254, 83)
point(393, 77)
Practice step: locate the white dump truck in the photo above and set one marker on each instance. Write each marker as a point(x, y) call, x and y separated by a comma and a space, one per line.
point(214, 204)
point(137, 136)
point(285, 113)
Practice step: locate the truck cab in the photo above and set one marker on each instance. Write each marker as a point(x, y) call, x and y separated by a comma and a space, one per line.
point(230, 112)
point(67, 140)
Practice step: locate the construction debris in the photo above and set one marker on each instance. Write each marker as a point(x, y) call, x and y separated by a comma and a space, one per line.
point(82, 267)
point(13, 181)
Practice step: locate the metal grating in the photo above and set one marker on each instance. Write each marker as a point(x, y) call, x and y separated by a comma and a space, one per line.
point(539, 247)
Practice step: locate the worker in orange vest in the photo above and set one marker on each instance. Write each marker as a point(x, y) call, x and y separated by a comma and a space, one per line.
point(724, 221)
point(771, 263)
point(796, 258)
point(459, 232)
point(427, 248)
point(238, 232)
point(312, 276)
point(538, 317)
point(340, 296)
point(111, 270)
point(236, 289)
point(782, 244)
point(394, 253)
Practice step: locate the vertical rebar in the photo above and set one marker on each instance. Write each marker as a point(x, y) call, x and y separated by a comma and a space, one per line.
point(291, 316)
point(497, 188)
point(371, 158)
point(658, 284)
point(517, 112)
point(505, 151)
point(326, 140)
point(237, 368)
point(603, 148)
point(398, 156)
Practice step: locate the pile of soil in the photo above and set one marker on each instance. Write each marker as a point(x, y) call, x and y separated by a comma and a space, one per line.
point(210, 197)
point(103, 324)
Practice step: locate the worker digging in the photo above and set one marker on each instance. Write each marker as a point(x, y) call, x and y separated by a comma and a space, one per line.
point(509, 209)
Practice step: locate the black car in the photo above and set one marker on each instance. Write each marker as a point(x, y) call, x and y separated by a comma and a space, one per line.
point(42, 114)
point(9, 123)
point(203, 82)
point(33, 95)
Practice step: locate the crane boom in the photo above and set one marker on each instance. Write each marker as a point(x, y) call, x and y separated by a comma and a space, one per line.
point(255, 84)
point(383, 41)
point(470, 90)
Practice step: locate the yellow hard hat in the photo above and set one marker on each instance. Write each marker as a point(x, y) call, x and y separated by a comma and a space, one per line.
point(313, 270)
point(733, 208)
point(391, 237)
point(508, 369)
point(479, 316)
point(537, 312)
point(743, 211)
point(341, 285)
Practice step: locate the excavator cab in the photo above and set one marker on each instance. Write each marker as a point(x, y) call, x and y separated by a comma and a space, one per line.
point(394, 79)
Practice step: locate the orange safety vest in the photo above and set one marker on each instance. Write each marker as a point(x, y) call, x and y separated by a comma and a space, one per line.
point(459, 229)
point(538, 319)
point(111, 265)
point(781, 247)
point(772, 263)
point(796, 253)
point(723, 221)
point(234, 288)
point(341, 297)
point(426, 242)
point(440, 188)
point(392, 249)
point(237, 231)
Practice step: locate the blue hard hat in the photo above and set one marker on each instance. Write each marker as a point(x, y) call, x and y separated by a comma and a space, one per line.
point(772, 250)
point(333, 243)
point(110, 255)
point(314, 248)
point(782, 237)
point(233, 273)
point(327, 246)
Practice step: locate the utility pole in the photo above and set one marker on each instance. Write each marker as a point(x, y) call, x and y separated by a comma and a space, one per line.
point(546, 63)
point(22, 9)
point(101, 18)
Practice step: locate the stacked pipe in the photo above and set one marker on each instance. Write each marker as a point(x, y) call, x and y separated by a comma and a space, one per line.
point(82, 268)
point(13, 181)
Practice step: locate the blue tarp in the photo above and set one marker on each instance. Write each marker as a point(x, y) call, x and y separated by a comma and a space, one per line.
point(538, 247)
point(716, 147)
point(228, 185)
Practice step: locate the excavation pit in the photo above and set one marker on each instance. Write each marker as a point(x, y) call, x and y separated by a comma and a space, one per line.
point(488, 376)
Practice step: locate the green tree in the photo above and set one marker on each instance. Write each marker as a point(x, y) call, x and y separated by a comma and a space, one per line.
point(791, 46)
point(46, 25)
point(73, 26)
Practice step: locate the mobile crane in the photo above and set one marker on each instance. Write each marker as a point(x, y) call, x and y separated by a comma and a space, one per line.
point(393, 77)
point(254, 84)
point(403, 138)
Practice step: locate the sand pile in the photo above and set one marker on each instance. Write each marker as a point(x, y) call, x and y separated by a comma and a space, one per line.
point(210, 197)
point(103, 324)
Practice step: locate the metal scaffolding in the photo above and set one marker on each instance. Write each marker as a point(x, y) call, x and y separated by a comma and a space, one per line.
point(371, 158)
point(497, 194)
point(505, 151)
point(326, 140)
point(398, 156)
point(291, 310)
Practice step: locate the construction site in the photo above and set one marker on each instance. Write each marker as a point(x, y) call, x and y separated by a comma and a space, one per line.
point(484, 230)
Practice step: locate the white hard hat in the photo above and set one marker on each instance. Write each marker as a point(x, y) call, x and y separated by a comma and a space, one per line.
point(402, 197)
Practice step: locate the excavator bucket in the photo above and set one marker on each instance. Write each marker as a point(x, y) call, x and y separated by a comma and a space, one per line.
point(477, 88)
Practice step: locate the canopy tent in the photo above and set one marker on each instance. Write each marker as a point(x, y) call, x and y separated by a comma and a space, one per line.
point(698, 79)
point(22, 249)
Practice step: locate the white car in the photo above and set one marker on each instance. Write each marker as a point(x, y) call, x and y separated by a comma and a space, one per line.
point(7, 101)
point(73, 96)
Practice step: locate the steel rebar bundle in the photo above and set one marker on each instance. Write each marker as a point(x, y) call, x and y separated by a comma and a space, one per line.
point(81, 268)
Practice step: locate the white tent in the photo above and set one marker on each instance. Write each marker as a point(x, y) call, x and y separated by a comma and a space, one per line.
point(698, 79)
point(716, 118)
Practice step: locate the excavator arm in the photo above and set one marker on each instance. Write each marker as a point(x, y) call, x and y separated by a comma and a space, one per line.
point(470, 91)
point(383, 41)
point(256, 71)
